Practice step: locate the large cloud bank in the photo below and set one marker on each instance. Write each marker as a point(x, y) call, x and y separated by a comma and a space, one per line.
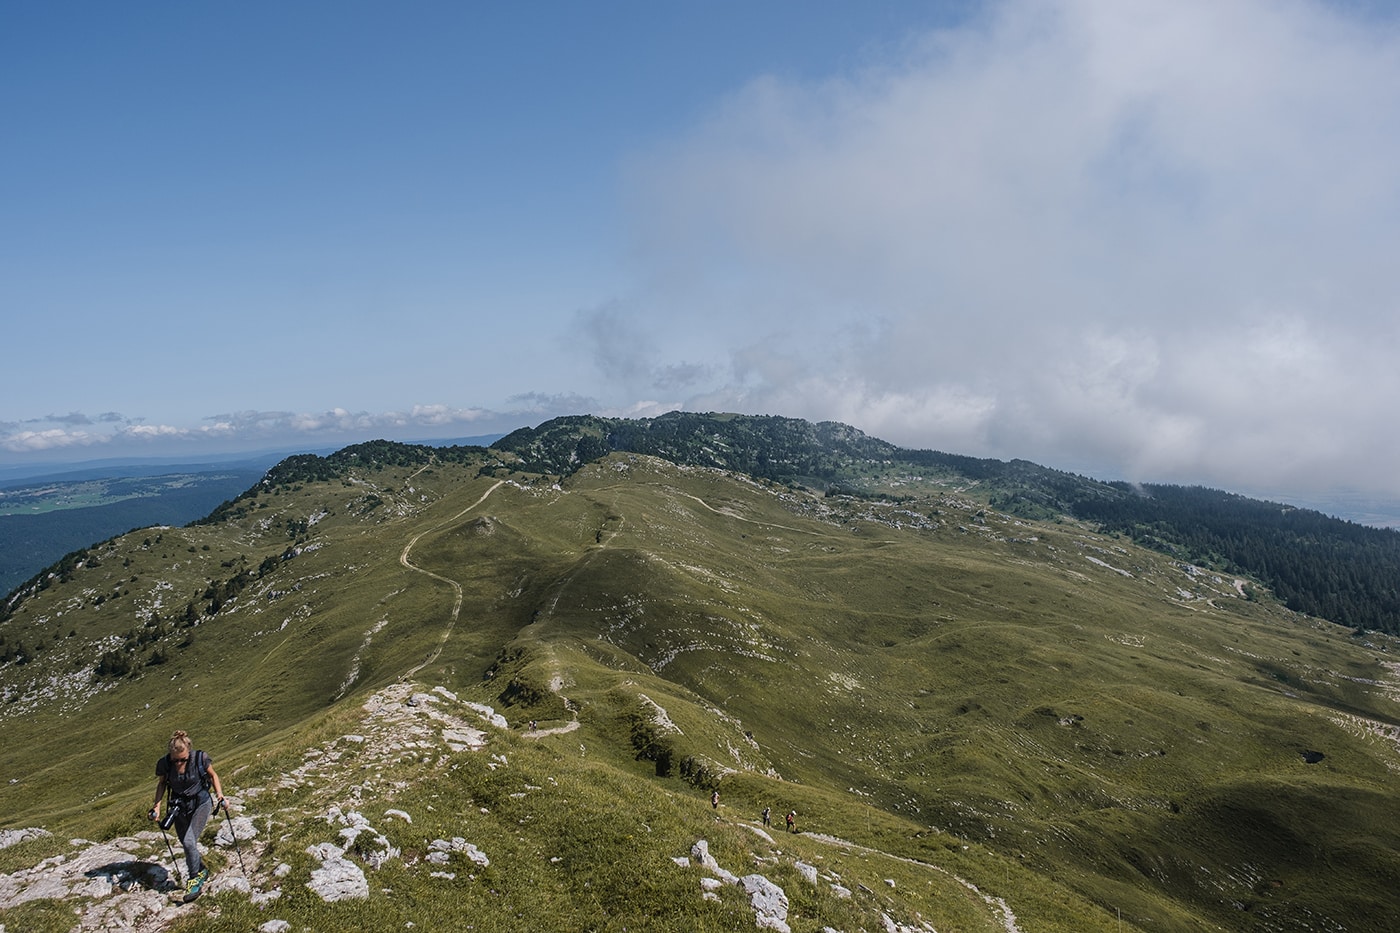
point(1154, 240)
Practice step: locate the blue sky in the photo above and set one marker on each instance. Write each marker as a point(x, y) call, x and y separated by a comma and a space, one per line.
point(1153, 241)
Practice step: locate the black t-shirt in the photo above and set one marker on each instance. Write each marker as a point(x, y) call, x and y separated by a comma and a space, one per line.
point(189, 784)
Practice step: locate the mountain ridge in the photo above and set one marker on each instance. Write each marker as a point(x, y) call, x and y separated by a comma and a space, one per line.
point(1349, 574)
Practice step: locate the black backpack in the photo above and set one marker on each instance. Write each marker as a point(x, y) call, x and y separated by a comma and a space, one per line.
point(201, 762)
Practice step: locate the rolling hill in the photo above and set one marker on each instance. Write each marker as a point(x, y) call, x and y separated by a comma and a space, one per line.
point(495, 687)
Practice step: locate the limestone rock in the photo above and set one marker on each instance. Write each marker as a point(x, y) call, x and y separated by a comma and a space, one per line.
point(240, 830)
point(338, 879)
point(701, 853)
point(9, 837)
point(440, 851)
point(769, 902)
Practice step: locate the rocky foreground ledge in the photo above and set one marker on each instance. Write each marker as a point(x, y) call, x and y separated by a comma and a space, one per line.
point(124, 885)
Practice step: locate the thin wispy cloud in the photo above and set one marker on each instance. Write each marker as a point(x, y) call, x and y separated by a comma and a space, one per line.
point(242, 430)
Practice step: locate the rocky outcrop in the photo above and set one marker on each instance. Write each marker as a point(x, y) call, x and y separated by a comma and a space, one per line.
point(768, 900)
point(338, 878)
point(9, 837)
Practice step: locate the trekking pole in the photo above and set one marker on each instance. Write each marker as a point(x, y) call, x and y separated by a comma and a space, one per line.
point(228, 818)
point(168, 847)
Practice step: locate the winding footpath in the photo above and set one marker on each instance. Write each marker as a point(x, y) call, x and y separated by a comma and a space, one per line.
point(456, 587)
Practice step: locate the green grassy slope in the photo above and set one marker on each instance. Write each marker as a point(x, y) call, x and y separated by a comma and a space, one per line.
point(962, 706)
point(1315, 563)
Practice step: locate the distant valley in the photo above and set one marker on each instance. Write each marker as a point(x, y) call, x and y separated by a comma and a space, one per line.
point(47, 512)
point(41, 521)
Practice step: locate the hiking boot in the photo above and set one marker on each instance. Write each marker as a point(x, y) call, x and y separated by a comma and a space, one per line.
point(196, 885)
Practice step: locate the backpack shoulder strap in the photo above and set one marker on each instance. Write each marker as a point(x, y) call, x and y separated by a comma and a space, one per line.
point(201, 761)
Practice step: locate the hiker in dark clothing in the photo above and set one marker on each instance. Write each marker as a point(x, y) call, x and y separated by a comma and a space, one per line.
point(767, 816)
point(187, 776)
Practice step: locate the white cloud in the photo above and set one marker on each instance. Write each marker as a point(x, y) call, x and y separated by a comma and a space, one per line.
point(248, 429)
point(1154, 239)
point(52, 439)
point(444, 415)
point(152, 431)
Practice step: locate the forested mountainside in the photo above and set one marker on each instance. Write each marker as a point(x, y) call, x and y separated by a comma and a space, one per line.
point(1341, 571)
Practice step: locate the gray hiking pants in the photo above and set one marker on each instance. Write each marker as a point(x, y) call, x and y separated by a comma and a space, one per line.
point(189, 824)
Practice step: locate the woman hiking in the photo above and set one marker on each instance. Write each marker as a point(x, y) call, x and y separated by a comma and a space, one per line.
point(187, 775)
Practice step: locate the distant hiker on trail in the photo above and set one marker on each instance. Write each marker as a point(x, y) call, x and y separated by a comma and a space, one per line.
point(187, 776)
point(714, 800)
point(792, 821)
point(767, 816)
